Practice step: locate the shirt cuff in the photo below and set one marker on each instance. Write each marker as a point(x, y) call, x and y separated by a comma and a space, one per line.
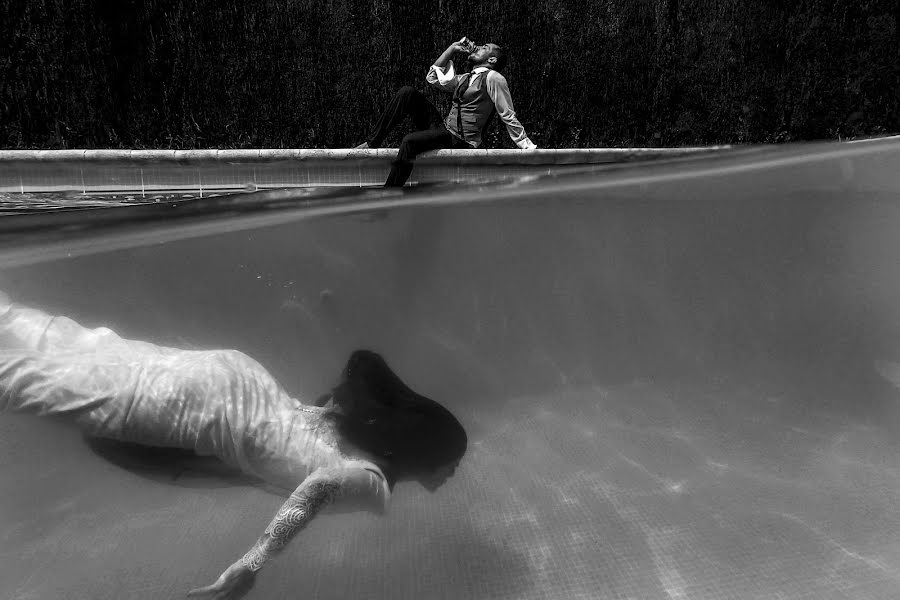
point(526, 144)
point(442, 75)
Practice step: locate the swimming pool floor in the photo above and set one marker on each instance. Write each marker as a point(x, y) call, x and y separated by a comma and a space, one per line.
point(704, 490)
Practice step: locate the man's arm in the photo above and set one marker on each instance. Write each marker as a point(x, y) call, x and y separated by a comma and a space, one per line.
point(452, 49)
point(437, 76)
point(320, 489)
point(498, 90)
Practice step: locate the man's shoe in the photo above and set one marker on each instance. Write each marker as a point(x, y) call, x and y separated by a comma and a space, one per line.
point(363, 146)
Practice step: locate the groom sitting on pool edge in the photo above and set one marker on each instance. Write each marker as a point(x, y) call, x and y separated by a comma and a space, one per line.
point(476, 95)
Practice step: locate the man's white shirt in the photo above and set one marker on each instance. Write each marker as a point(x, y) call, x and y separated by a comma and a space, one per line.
point(497, 89)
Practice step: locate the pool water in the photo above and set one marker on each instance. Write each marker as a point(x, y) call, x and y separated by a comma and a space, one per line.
point(673, 383)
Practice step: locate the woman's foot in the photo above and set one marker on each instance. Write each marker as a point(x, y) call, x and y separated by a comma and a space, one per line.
point(363, 146)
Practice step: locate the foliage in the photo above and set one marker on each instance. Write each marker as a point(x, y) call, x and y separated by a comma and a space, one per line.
point(297, 73)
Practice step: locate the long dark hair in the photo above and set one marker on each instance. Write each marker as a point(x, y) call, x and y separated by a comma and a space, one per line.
point(378, 413)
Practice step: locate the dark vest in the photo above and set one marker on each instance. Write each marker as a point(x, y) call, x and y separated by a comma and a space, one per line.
point(472, 107)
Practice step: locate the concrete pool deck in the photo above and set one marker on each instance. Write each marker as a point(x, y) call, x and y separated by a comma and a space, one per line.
point(214, 171)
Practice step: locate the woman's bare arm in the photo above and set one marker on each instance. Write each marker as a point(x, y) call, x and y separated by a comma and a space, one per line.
point(306, 501)
point(322, 488)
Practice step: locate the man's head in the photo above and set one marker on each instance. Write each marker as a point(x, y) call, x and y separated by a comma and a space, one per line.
point(489, 55)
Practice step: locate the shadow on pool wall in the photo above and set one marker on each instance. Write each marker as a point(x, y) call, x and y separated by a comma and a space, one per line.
point(784, 267)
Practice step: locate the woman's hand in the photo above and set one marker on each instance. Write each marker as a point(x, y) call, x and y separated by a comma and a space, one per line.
point(234, 583)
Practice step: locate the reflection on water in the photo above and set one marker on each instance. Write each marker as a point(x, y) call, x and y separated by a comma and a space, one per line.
point(47, 201)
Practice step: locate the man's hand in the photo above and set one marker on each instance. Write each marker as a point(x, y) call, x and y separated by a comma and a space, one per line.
point(461, 46)
point(452, 49)
point(234, 583)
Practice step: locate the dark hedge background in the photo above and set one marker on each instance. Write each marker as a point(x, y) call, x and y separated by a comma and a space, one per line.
point(303, 73)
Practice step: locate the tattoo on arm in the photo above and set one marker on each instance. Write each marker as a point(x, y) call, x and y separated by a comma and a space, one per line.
point(300, 508)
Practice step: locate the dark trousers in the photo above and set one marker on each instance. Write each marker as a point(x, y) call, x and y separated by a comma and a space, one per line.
point(430, 133)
